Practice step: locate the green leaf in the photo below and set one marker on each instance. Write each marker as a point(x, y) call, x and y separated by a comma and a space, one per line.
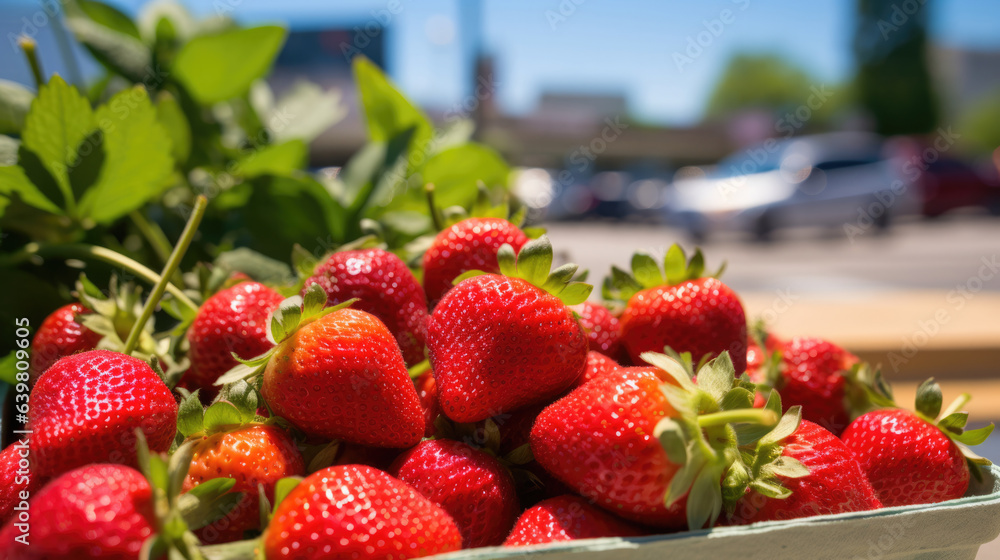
point(171, 117)
point(675, 264)
point(507, 260)
point(87, 164)
point(645, 270)
point(286, 318)
point(8, 150)
point(178, 464)
point(788, 467)
point(457, 172)
point(314, 301)
point(108, 16)
point(737, 398)
point(38, 176)
point(224, 65)
point(954, 422)
point(975, 437)
point(277, 159)
point(138, 165)
point(15, 102)
point(716, 377)
point(284, 487)
point(388, 112)
point(222, 414)
point(466, 275)
point(282, 211)
point(119, 52)
point(705, 502)
point(929, 399)
point(671, 436)
point(241, 395)
point(559, 278)
point(534, 261)
point(213, 488)
point(786, 426)
point(575, 293)
point(59, 119)
point(190, 415)
point(303, 113)
point(261, 268)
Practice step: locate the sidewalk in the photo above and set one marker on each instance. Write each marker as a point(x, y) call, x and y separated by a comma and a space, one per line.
point(913, 335)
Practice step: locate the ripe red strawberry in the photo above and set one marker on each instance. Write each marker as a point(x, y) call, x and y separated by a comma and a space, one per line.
point(800, 469)
point(598, 365)
point(86, 407)
point(354, 512)
point(914, 458)
point(759, 347)
point(566, 518)
point(601, 327)
point(58, 336)
point(97, 511)
point(336, 374)
point(600, 441)
point(473, 487)
point(471, 244)
point(501, 342)
point(384, 287)
point(17, 482)
point(428, 393)
point(681, 309)
point(814, 374)
point(252, 454)
point(232, 320)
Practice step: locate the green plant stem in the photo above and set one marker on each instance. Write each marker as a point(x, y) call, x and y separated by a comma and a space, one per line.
point(29, 47)
point(172, 264)
point(156, 239)
point(435, 215)
point(748, 415)
point(83, 251)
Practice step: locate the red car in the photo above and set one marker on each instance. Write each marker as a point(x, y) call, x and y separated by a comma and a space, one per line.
point(950, 183)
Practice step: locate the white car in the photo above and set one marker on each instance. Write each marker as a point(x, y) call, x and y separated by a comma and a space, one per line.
point(841, 180)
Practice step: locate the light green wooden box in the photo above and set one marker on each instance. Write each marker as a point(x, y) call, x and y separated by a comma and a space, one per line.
point(951, 530)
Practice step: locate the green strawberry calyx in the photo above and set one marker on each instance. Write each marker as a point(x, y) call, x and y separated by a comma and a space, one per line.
point(291, 315)
point(177, 514)
point(646, 273)
point(952, 421)
point(235, 407)
point(762, 463)
point(534, 265)
point(715, 415)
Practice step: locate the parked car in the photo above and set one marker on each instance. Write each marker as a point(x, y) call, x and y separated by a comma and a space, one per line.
point(829, 180)
point(948, 183)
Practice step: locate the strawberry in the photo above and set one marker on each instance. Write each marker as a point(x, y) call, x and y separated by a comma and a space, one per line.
point(358, 513)
point(471, 244)
point(680, 309)
point(336, 373)
point(384, 287)
point(760, 347)
point(428, 393)
point(815, 374)
point(799, 469)
point(233, 320)
point(566, 518)
point(251, 454)
point(598, 365)
point(501, 342)
point(85, 408)
point(621, 439)
point(473, 487)
point(97, 511)
point(58, 336)
point(601, 327)
point(918, 457)
point(17, 482)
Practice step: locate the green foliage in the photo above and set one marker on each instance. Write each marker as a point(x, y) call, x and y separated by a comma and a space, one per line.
point(979, 124)
point(224, 65)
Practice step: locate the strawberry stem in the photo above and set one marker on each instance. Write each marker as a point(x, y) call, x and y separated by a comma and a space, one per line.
point(435, 215)
point(748, 415)
point(28, 45)
point(84, 251)
point(172, 264)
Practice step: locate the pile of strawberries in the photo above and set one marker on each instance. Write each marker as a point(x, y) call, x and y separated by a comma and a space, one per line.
point(479, 400)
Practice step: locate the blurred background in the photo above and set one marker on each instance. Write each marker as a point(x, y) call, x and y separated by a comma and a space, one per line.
point(841, 156)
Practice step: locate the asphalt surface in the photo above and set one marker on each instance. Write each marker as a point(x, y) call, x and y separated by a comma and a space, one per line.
point(944, 254)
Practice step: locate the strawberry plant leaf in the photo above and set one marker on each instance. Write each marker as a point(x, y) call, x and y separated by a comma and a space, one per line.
point(285, 319)
point(171, 117)
point(696, 267)
point(575, 293)
point(737, 398)
point(466, 275)
point(36, 172)
point(13, 180)
point(929, 399)
point(177, 467)
point(224, 65)
point(213, 488)
point(788, 467)
point(314, 301)
point(241, 395)
point(559, 278)
point(535, 260)
point(705, 502)
point(108, 16)
point(675, 264)
point(284, 487)
point(138, 165)
point(645, 270)
point(276, 159)
point(786, 426)
point(507, 260)
point(954, 422)
point(673, 440)
point(112, 45)
point(59, 119)
point(222, 414)
point(87, 163)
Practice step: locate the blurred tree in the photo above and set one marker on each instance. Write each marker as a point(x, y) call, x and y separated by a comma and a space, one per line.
point(893, 81)
point(980, 124)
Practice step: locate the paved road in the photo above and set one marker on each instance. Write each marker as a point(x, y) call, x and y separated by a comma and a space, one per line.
point(920, 255)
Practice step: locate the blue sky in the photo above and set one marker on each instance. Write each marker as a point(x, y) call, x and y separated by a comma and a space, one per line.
point(611, 46)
